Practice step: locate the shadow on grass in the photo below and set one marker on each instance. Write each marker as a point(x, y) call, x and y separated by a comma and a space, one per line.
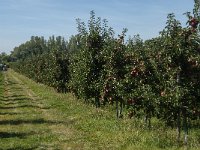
point(16, 95)
point(35, 121)
point(21, 99)
point(17, 98)
point(7, 135)
point(24, 106)
point(13, 135)
point(13, 98)
point(1, 98)
point(21, 148)
point(11, 113)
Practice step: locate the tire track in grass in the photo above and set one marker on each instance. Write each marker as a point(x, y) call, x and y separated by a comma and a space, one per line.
point(7, 103)
point(17, 129)
point(9, 117)
point(59, 128)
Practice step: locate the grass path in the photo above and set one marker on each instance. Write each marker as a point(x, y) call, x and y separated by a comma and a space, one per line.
point(26, 122)
point(34, 116)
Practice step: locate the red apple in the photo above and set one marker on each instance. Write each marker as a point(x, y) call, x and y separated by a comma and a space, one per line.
point(193, 22)
point(134, 72)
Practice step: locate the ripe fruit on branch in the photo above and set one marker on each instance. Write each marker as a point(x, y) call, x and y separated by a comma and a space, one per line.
point(110, 100)
point(193, 62)
point(131, 102)
point(134, 72)
point(162, 93)
point(193, 22)
point(196, 112)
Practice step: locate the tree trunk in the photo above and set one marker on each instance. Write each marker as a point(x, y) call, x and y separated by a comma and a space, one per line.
point(185, 126)
point(179, 113)
point(178, 126)
point(149, 121)
point(117, 108)
point(121, 109)
point(97, 102)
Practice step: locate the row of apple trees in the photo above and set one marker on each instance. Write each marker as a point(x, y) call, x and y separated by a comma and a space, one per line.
point(158, 78)
point(45, 61)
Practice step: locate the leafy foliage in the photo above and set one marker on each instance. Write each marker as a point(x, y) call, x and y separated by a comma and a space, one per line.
point(158, 78)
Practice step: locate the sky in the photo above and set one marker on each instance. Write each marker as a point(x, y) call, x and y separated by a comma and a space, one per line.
point(21, 19)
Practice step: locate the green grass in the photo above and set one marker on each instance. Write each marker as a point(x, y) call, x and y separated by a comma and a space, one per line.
point(34, 116)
